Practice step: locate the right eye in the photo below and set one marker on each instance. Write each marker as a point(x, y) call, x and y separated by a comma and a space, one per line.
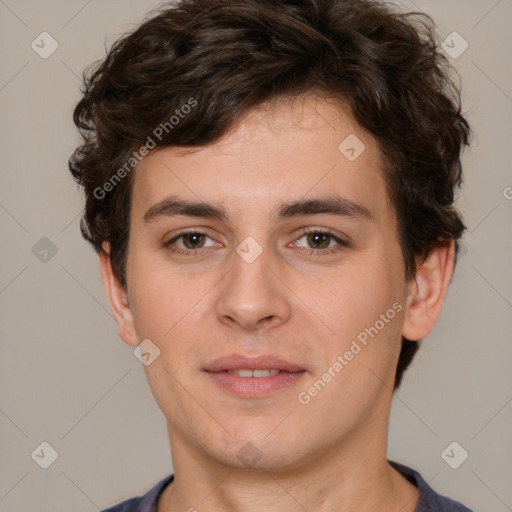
point(187, 243)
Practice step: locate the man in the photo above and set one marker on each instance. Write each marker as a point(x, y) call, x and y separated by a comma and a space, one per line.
point(270, 188)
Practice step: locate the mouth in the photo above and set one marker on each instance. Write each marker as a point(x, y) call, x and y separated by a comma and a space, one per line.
point(246, 373)
point(238, 362)
point(254, 377)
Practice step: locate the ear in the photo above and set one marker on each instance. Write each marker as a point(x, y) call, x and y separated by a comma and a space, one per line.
point(427, 291)
point(117, 298)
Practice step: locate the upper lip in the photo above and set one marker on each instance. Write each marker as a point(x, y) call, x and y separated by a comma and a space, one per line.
point(238, 362)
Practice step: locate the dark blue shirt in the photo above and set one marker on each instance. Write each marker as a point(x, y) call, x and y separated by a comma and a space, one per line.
point(429, 500)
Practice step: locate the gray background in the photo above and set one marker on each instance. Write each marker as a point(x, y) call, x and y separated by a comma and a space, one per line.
point(66, 378)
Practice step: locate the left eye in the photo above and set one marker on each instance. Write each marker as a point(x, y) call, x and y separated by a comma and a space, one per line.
point(321, 239)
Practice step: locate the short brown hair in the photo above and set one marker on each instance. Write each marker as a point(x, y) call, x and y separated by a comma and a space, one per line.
point(231, 56)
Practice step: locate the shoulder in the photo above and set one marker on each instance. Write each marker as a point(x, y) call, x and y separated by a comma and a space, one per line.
point(145, 503)
point(429, 500)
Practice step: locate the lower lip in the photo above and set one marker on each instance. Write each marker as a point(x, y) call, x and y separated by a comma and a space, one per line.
point(254, 387)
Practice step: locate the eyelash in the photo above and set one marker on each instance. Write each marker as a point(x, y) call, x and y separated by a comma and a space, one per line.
point(169, 245)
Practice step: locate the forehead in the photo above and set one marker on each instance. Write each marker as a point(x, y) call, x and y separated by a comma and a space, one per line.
point(283, 150)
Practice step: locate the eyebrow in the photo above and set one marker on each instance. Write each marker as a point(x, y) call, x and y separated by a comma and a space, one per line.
point(335, 205)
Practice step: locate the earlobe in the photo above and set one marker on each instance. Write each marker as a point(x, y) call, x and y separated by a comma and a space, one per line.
point(427, 291)
point(117, 298)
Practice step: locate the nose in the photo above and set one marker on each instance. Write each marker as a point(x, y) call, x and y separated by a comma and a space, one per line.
point(252, 295)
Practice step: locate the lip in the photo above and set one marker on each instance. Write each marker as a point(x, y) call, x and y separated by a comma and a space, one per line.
point(238, 361)
point(253, 387)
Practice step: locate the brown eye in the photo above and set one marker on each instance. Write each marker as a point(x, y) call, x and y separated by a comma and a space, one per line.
point(319, 239)
point(193, 240)
point(320, 243)
point(188, 243)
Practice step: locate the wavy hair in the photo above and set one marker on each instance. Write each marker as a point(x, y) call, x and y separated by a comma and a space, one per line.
point(233, 55)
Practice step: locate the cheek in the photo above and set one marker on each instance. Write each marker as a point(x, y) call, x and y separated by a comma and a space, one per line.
point(363, 308)
point(158, 301)
point(353, 297)
point(359, 361)
point(173, 311)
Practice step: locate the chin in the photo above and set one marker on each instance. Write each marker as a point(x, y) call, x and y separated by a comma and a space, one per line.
point(259, 445)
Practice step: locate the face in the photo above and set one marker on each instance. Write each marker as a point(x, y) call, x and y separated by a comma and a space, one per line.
point(297, 258)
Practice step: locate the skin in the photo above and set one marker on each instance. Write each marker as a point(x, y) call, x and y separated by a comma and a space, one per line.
point(329, 454)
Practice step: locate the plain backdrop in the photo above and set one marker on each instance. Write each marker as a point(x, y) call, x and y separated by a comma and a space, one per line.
point(66, 378)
